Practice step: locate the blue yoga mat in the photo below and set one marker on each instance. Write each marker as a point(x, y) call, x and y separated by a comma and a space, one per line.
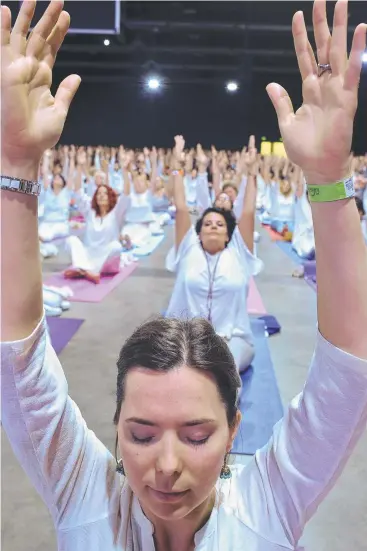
point(260, 403)
point(149, 247)
point(287, 249)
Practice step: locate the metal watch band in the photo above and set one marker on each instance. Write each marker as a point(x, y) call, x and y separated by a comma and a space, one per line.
point(8, 183)
point(331, 192)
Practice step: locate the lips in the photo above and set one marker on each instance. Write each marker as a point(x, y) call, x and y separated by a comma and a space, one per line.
point(167, 497)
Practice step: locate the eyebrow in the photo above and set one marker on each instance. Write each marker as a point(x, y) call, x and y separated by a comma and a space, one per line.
point(147, 423)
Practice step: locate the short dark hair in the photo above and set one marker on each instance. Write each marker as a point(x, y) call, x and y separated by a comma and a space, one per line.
point(360, 205)
point(58, 176)
point(229, 184)
point(228, 216)
point(164, 344)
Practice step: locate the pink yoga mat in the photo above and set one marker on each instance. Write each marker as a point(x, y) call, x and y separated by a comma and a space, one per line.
point(85, 291)
point(255, 303)
point(274, 236)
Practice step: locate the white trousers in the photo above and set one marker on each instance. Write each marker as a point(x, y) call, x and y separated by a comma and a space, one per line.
point(105, 260)
point(243, 352)
point(53, 230)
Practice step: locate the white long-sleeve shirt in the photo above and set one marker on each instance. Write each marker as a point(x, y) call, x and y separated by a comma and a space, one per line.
point(263, 507)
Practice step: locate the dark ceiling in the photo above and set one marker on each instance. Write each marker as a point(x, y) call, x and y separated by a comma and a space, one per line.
point(194, 41)
point(187, 41)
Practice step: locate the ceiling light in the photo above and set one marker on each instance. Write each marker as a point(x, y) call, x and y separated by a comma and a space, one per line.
point(232, 86)
point(154, 83)
point(106, 42)
point(364, 57)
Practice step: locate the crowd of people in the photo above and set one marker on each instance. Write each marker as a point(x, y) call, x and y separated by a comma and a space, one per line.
point(173, 487)
point(100, 202)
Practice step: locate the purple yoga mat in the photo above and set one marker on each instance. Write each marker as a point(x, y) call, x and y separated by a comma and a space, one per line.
point(85, 291)
point(310, 268)
point(311, 281)
point(310, 274)
point(62, 330)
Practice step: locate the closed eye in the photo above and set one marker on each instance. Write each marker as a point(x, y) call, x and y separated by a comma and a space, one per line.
point(198, 442)
point(142, 440)
point(191, 441)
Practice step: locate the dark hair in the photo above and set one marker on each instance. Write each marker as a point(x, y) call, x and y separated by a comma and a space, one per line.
point(228, 216)
point(360, 205)
point(233, 186)
point(217, 197)
point(112, 199)
point(58, 176)
point(164, 344)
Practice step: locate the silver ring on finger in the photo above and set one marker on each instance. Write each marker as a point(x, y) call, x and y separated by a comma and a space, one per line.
point(324, 68)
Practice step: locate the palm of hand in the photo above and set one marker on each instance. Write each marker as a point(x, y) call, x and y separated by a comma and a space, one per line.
point(320, 129)
point(27, 109)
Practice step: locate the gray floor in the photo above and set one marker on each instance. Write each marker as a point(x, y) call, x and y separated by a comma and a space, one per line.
point(89, 363)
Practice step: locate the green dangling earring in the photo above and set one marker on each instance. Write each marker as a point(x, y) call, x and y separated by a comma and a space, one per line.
point(120, 467)
point(225, 473)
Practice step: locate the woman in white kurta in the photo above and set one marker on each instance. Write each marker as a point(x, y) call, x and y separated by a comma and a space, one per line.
point(140, 221)
point(303, 239)
point(282, 209)
point(56, 207)
point(214, 263)
point(173, 429)
point(101, 250)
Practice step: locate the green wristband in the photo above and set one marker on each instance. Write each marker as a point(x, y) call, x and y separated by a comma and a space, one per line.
point(331, 192)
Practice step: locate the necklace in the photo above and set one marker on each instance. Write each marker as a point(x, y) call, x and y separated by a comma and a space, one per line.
point(211, 277)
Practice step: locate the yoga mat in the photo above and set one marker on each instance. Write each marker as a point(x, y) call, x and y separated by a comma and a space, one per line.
point(310, 268)
point(310, 274)
point(274, 236)
point(149, 247)
point(255, 303)
point(260, 402)
point(272, 326)
point(62, 330)
point(286, 247)
point(85, 291)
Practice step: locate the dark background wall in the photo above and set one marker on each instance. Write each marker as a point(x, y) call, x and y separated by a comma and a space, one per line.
point(115, 113)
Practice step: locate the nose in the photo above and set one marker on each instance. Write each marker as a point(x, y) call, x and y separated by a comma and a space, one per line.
point(168, 462)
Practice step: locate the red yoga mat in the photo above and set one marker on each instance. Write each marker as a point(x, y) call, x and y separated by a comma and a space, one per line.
point(274, 236)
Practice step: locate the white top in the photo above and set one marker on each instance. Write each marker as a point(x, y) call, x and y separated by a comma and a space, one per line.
point(283, 206)
point(303, 234)
point(263, 507)
point(190, 189)
point(140, 209)
point(56, 207)
point(99, 232)
point(235, 266)
point(116, 181)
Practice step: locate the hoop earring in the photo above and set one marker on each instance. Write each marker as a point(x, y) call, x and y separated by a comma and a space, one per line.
point(225, 473)
point(119, 464)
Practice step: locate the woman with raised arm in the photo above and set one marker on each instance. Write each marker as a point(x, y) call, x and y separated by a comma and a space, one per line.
point(100, 251)
point(213, 263)
point(56, 199)
point(177, 384)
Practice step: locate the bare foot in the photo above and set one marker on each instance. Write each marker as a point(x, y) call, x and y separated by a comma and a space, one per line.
point(94, 278)
point(74, 273)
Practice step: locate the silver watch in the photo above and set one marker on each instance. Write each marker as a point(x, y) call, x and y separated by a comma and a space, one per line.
point(8, 183)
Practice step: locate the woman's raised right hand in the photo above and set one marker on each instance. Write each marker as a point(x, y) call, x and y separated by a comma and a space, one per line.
point(31, 118)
